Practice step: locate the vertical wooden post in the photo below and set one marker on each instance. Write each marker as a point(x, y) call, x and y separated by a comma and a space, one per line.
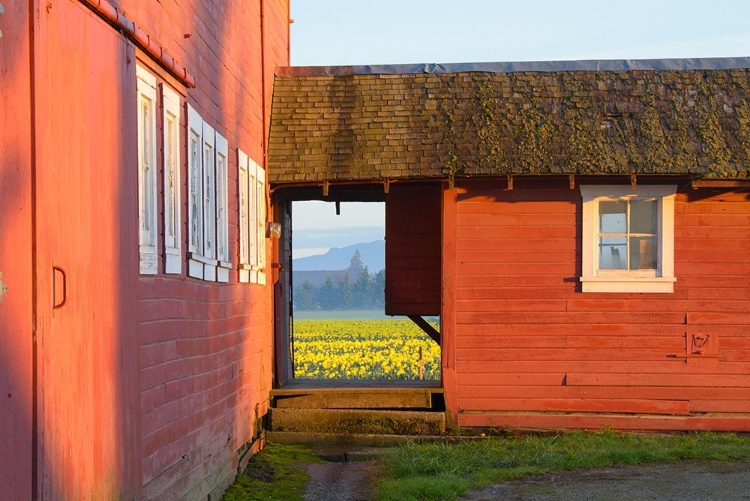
point(448, 304)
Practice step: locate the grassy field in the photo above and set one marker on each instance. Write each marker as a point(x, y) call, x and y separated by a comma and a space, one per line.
point(385, 349)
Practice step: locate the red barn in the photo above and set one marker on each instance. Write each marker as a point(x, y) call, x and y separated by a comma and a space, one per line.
point(581, 228)
point(135, 291)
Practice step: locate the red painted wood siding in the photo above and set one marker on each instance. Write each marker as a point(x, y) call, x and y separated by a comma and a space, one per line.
point(412, 250)
point(87, 358)
point(15, 254)
point(206, 349)
point(533, 351)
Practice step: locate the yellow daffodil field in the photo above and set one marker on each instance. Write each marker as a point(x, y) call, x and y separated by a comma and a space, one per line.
point(363, 349)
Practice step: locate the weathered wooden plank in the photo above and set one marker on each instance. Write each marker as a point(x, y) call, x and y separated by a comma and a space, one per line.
point(530, 255)
point(648, 379)
point(467, 280)
point(570, 355)
point(593, 366)
point(495, 219)
point(477, 348)
point(513, 232)
point(515, 305)
point(603, 392)
point(630, 406)
point(497, 379)
point(700, 318)
point(526, 269)
point(717, 245)
point(597, 421)
point(473, 293)
point(532, 244)
point(540, 207)
point(715, 220)
point(571, 329)
point(710, 232)
point(720, 404)
point(721, 294)
point(582, 318)
point(725, 207)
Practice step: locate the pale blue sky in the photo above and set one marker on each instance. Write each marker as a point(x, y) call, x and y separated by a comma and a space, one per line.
point(335, 32)
point(358, 32)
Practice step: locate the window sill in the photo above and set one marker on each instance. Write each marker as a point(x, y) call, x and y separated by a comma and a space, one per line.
point(657, 285)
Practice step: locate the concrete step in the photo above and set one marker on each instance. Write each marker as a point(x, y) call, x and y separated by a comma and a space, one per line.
point(357, 398)
point(346, 439)
point(357, 421)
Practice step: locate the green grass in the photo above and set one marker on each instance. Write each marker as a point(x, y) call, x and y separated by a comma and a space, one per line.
point(439, 471)
point(276, 473)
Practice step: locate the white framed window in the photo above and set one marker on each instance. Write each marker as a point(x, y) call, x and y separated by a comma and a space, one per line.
point(252, 202)
point(208, 224)
point(147, 206)
point(628, 238)
point(172, 200)
point(222, 209)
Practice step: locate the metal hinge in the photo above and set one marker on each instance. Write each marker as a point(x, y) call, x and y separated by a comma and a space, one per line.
point(3, 287)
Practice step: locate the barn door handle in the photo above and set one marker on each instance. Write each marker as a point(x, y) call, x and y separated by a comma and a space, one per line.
point(56, 270)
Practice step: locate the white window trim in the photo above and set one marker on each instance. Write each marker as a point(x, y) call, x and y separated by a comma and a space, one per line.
point(252, 198)
point(172, 186)
point(147, 192)
point(595, 280)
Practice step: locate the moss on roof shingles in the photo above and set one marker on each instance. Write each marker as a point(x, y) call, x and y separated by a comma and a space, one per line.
point(369, 127)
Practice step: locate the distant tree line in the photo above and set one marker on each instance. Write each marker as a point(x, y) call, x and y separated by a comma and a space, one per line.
point(364, 292)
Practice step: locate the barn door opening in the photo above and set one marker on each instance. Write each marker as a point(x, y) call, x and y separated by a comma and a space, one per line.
point(343, 324)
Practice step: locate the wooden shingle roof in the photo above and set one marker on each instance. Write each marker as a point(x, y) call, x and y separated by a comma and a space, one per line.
point(372, 126)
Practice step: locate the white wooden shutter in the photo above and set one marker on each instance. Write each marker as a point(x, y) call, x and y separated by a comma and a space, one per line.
point(195, 192)
point(244, 213)
point(222, 209)
point(148, 226)
point(261, 224)
point(172, 201)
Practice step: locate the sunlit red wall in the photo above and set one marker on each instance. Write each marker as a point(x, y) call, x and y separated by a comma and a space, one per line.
point(206, 348)
point(15, 254)
point(530, 350)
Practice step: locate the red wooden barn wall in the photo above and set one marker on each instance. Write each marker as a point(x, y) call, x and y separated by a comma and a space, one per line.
point(146, 387)
point(15, 254)
point(86, 272)
point(532, 351)
point(206, 348)
point(412, 249)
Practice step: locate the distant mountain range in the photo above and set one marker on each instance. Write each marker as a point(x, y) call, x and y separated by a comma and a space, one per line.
point(372, 255)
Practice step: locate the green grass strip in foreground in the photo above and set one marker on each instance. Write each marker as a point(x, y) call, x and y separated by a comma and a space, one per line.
point(439, 471)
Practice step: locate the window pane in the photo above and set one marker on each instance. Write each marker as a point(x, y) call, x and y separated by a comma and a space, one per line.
point(643, 216)
point(612, 253)
point(643, 254)
point(612, 217)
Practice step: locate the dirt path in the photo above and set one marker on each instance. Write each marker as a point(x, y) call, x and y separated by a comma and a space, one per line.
point(340, 482)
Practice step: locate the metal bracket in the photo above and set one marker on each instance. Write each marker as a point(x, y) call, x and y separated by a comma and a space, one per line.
point(3, 287)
